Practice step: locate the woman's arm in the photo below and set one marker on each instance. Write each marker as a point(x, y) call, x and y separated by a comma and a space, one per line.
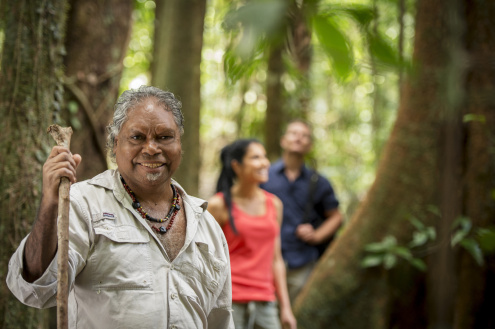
point(286, 316)
point(217, 208)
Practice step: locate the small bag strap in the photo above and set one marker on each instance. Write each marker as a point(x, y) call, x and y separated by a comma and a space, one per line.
point(311, 193)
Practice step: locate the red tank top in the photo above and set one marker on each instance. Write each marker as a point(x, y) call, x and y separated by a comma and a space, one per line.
point(251, 253)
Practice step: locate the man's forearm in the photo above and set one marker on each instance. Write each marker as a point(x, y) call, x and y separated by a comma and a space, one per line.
point(329, 227)
point(41, 244)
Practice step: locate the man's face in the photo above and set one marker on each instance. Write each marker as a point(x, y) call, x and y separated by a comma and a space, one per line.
point(148, 147)
point(297, 139)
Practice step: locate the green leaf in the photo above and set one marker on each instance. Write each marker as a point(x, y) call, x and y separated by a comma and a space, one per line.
point(382, 50)
point(487, 240)
point(371, 261)
point(389, 261)
point(335, 45)
point(458, 237)
point(375, 247)
point(434, 210)
point(474, 249)
point(73, 107)
point(419, 239)
point(416, 223)
point(235, 67)
point(418, 263)
point(263, 17)
point(389, 241)
point(431, 232)
point(361, 14)
point(75, 123)
point(473, 117)
point(403, 252)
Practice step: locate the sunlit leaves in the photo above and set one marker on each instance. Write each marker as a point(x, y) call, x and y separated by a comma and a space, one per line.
point(236, 68)
point(361, 14)
point(257, 20)
point(382, 51)
point(335, 45)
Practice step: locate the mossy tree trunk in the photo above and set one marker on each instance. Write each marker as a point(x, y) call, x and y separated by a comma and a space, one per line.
point(176, 68)
point(98, 34)
point(433, 160)
point(31, 92)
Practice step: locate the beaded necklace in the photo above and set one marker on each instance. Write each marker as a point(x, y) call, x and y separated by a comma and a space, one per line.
point(174, 209)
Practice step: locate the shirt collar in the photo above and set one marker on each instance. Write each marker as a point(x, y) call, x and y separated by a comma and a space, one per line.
point(279, 167)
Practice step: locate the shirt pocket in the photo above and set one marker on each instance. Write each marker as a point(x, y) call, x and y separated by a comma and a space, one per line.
point(120, 258)
point(205, 276)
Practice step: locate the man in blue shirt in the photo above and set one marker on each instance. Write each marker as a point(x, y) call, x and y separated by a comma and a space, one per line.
point(311, 215)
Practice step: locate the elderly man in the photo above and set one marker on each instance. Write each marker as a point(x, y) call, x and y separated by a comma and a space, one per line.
point(142, 253)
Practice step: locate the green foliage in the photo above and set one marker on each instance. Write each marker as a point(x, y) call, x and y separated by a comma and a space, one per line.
point(466, 237)
point(477, 242)
point(138, 58)
point(486, 238)
point(236, 68)
point(473, 117)
point(252, 28)
point(335, 45)
point(388, 252)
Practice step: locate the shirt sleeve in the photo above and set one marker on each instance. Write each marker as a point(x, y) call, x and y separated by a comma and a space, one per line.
point(221, 314)
point(328, 198)
point(42, 293)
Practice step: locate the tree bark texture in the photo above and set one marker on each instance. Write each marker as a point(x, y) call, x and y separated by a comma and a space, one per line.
point(275, 114)
point(98, 34)
point(302, 52)
point(176, 68)
point(476, 295)
point(431, 159)
point(31, 91)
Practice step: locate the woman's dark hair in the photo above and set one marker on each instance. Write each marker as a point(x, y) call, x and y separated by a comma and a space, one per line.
point(234, 151)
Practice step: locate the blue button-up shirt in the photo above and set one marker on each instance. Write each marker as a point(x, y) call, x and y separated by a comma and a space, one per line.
point(294, 196)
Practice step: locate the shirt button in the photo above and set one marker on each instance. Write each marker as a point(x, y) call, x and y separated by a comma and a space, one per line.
point(174, 296)
point(172, 267)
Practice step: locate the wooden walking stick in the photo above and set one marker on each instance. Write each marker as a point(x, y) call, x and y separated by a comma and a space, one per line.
point(62, 136)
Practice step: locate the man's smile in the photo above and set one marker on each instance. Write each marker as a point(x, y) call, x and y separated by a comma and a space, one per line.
point(151, 165)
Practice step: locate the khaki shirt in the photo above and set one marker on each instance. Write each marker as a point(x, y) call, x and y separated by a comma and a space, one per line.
point(119, 273)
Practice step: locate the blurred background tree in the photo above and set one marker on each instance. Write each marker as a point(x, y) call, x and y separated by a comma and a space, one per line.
point(31, 94)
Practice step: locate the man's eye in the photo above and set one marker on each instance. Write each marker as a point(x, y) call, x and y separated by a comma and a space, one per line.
point(136, 137)
point(166, 137)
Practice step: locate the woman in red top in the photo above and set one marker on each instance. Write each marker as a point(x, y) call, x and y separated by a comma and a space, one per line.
point(250, 218)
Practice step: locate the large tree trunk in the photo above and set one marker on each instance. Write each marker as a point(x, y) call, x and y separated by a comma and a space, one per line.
point(97, 39)
point(302, 52)
point(426, 155)
point(176, 68)
point(31, 91)
point(275, 115)
point(476, 297)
